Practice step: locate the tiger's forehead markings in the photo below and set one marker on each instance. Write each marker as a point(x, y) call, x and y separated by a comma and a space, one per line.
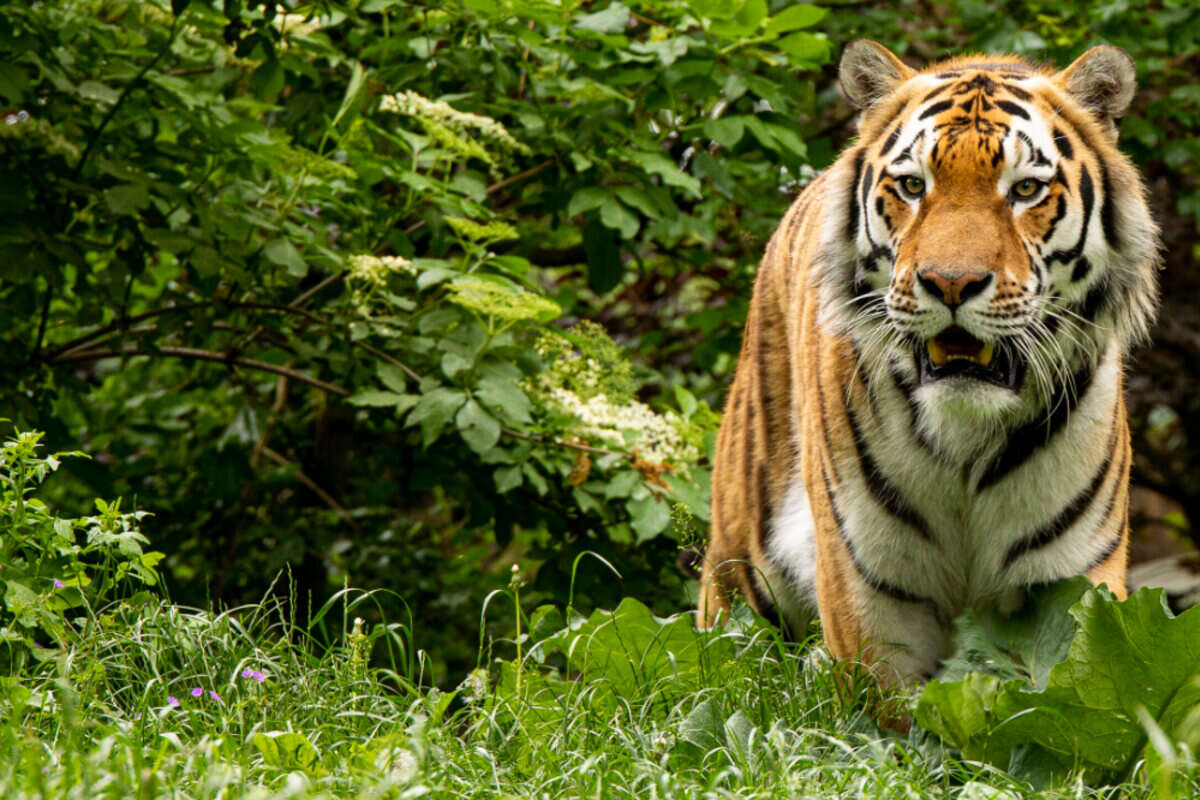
point(980, 101)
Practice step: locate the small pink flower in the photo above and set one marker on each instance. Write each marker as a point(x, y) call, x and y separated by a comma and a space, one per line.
point(172, 700)
point(255, 674)
point(197, 692)
point(214, 695)
point(58, 584)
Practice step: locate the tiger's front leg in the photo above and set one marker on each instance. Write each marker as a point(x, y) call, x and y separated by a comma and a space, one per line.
point(865, 617)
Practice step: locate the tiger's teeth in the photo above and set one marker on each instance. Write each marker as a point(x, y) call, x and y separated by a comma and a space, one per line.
point(937, 353)
point(985, 355)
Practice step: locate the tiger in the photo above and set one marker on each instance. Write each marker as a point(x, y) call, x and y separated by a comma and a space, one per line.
point(927, 412)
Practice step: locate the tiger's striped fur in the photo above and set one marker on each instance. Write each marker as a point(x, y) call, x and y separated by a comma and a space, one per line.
point(860, 477)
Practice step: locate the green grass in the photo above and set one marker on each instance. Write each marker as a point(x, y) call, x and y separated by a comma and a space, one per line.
point(94, 721)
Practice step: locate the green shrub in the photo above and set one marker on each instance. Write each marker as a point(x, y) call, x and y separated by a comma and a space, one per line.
point(54, 570)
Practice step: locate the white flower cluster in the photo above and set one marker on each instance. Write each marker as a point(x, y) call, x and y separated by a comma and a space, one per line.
point(297, 24)
point(656, 437)
point(443, 113)
point(375, 269)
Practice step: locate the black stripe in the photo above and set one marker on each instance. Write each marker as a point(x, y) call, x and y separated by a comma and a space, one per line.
point(875, 582)
point(891, 139)
point(906, 153)
point(907, 389)
point(882, 490)
point(936, 109)
point(1012, 108)
point(934, 93)
point(868, 180)
point(1082, 268)
point(852, 215)
point(1026, 440)
point(1094, 301)
point(1108, 550)
point(1059, 212)
point(1017, 92)
point(1088, 195)
point(1063, 144)
point(1108, 219)
point(1051, 531)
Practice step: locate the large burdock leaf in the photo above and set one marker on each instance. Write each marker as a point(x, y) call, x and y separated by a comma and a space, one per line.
point(1125, 659)
point(632, 649)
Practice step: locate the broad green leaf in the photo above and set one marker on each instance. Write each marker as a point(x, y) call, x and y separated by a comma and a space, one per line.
point(636, 198)
point(507, 478)
point(268, 79)
point(744, 22)
point(128, 198)
point(586, 199)
point(702, 727)
point(434, 410)
point(377, 399)
point(286, 749)
point(610, 20)
point(392, 377)
point(1026, 644)
point(98, 92)
point(801, 15)
point(629, 648)
point(805, 49)
point(725, 131)
point(622, 484)
point(663, 167)
point(505, 396)
point(649, 516)
point(600, 245)
point(285, 254)
point(713, 9)
point(478, 428)
point(619, 218)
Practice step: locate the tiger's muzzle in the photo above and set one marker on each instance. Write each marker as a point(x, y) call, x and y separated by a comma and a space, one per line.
point(955, 353)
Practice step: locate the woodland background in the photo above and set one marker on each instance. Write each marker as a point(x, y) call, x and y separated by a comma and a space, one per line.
point(399, 295)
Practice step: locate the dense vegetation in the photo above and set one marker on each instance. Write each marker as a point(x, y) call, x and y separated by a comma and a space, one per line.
point(403, 296)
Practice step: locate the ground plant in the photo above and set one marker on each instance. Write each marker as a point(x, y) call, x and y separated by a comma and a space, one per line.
point(439, 301)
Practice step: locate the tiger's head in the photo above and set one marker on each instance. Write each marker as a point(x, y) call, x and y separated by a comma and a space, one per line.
point(985, 239)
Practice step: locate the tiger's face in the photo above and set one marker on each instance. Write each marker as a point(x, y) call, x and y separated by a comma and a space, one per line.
point(992, 254)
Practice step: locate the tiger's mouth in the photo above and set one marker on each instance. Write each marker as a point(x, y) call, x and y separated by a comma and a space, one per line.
point(954, 353)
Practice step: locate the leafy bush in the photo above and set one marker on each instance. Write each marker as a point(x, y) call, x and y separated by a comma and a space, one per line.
point(51, 566)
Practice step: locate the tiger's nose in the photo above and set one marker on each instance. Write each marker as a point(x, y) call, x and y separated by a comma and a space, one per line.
point(954, 287)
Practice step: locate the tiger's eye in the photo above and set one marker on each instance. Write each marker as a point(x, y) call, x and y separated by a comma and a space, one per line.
point(913, 185)
point(1026, 188)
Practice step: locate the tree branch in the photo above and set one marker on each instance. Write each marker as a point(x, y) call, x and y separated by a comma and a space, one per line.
point(202, 355)
point(312, 485)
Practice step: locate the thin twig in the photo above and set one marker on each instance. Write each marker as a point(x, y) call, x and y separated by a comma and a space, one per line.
point(587, 448)
point(411, 373)
point(204, 355)
point(309, 482)
point(520, 176)
point(100, 333)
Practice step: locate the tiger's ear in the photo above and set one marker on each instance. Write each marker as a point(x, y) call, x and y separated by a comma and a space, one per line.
point(869, 72)
point(1102, 80)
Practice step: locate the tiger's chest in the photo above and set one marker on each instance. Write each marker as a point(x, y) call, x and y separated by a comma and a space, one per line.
point(943, 511)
